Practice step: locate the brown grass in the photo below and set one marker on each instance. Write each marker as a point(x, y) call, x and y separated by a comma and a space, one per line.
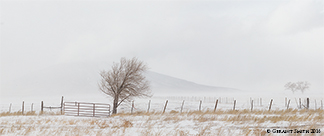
point(138, 113)
point(29, 113)
point(204, 131)
point(127, 124)
point(122, 123)
point(174, 112)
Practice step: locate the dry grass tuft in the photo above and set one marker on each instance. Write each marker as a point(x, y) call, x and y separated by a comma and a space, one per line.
point(127, 124)
point(2, 131)
point(30, 113)
point(246, 131)
point(139, 113)
point(150, 132)
point(179, 132)
point(102, 124)
point(195, 113)
point(172, 118)
point(174, 112)
point(204, 118)
point(18, 113)
point(204, 131)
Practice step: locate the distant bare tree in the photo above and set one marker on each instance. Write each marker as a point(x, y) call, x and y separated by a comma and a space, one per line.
point(301, 85)
point(125, 81)
point(291, 86)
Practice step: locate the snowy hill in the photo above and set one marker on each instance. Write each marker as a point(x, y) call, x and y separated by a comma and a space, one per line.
point(83, 78)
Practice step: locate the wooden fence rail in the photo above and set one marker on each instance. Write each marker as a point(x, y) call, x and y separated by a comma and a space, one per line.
point(86, 109)
point(52, 107)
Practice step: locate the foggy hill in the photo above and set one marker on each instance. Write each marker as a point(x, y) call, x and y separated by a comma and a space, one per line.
point(83, 78)
point(164, 85)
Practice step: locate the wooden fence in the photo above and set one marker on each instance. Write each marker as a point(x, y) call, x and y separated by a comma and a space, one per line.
point(85, 109)
point(52, 107)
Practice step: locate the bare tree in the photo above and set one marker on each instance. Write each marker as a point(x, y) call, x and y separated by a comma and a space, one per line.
point(125, 81)
point(301, 85)
point(291, 86)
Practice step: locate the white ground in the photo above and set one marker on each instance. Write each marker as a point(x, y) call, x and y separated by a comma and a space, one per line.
point(153, 124)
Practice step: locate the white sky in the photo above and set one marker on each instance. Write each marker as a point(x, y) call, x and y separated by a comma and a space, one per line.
point(249, 45)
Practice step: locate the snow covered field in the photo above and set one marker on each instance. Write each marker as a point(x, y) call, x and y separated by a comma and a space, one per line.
point(242, 122)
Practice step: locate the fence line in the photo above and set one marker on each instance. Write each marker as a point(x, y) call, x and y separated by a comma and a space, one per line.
point(55, 107)
point(301, 103)
point(253, 104)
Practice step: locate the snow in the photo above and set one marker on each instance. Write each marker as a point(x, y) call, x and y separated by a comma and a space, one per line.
point(141, 124)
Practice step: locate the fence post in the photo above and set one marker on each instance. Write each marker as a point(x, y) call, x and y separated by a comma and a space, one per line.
point(288, 104)
point(32, 107)
point(299, 103)
point(62, 105)
point(42, 106)
point(285, 101)
point(322, 104)
point(109, 111)
point(182, 106)
point(296, 103)
point(260, 101)
point(307, 103)
point(166, 103)
point(270, 104)
point(251, 105)
point(315, 105)
point(78, 109)
point(148, 106)
point(22, 107)
point(234, 104)
point(94, 109)
point(10, 107)
point(132, 107)
point(216, 105)
point(200, 105)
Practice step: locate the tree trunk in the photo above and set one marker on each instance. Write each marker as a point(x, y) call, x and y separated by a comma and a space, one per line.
point(115, 106)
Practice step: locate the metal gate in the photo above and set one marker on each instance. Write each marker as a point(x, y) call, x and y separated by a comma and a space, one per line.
point(85, 109)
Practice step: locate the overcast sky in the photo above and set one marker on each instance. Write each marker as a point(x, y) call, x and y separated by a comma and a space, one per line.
point(249, 45)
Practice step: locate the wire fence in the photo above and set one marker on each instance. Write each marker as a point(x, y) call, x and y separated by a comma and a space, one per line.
point(183, 104)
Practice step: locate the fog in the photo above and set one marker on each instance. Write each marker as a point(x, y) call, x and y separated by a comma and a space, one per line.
point(249, 45)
